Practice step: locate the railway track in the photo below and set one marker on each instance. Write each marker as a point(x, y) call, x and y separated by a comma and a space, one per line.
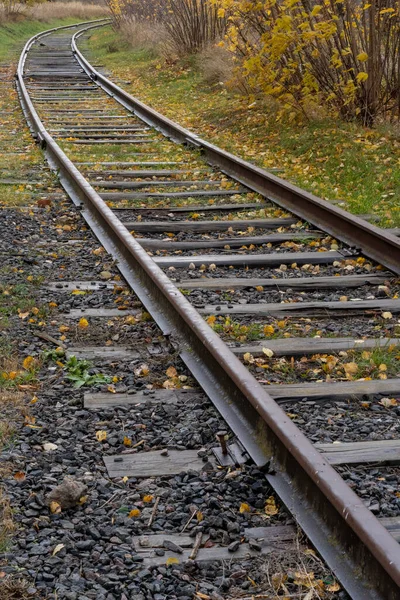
point(283, 307)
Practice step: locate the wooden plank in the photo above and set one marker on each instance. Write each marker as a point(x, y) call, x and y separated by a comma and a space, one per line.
point(384, 451)
point(329, 390)
point(303, 308)
point(392, 524)
point(106, 313)
point(295, 283)
point(69, 286)
point(237, 242)
point(300, 346)
point(104, 352)
point(268, 260)
point(153, 464)
point(102, 400)
point(176, 226)
point(191, 207)
point(126, 185)
point(145, 544)
point(188, 194)
point(217, 553)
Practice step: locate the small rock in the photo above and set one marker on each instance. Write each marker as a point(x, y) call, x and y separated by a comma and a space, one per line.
point(67, 494)
point(234, 546)
point(168, 545)
point(106, 275)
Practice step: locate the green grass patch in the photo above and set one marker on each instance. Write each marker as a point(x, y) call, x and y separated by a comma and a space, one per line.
point(335, 160)
point(14, 35)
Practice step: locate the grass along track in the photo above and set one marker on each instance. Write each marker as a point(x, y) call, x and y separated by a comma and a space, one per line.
point(357, 264)
point(335, 160)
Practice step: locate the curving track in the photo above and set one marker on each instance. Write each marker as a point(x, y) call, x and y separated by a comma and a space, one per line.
point(229, 228)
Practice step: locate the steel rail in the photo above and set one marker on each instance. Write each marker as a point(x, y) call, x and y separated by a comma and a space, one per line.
point(361, 552)
point(373, 241)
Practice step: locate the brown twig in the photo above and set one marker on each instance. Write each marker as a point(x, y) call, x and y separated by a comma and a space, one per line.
point(153, 512)
point(196, 547)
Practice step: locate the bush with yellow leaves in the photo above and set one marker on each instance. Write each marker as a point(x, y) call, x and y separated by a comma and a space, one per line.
point(342, 54)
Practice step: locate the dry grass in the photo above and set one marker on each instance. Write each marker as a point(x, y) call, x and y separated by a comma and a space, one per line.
point(48, 11)
point(13, 588)
point(142, 35)
point(215, 64)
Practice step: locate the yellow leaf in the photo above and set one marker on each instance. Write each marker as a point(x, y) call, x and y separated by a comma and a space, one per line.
point(362, 57)
point(23, 315)
point(388, 402)
point(269, 330)
point(57, 549)
point(135, 512)
point(35, 310)
point(362, 76)
point(382, 367)
point(111, 389)
point(259, 288)
point(125, 479)
point(350, 369)
point(270, 507)
point(82, 500)
point(55, 508)
point(211, 319)
point(199, 516)
point(244, 508)
point(101, 435)
point(333, 587)
point(52, 304)
point(83, 323)
point(172, 561)
point(247, 357)
point(221, 13)
point(387, 315)
point(63, 328)
point(316, 10)
point(34, 400)
point(28, 362)
point(268, 352)
point(171, 372)
point(127, 441)
point(148, 498)
point(78, 293)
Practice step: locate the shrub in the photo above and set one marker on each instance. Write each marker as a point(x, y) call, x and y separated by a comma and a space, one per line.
point(343, 54)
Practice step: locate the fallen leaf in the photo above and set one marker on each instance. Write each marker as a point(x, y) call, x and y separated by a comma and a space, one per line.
point(57, 549)
point(244, 508)
point(270, 507)
point(127, 441)
point(268, 352)
point(135, 512)
point(387, 315)
point(333, 587)
point(148, 498)
point(55, 508)
point(28, 362)
point(171, 372)
point(83, 323)
point(101, 435)
point(19, 476)
point(388, 402)
point(172, 561)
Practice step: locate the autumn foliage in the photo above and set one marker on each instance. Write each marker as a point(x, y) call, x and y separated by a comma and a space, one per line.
point(342, 55)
